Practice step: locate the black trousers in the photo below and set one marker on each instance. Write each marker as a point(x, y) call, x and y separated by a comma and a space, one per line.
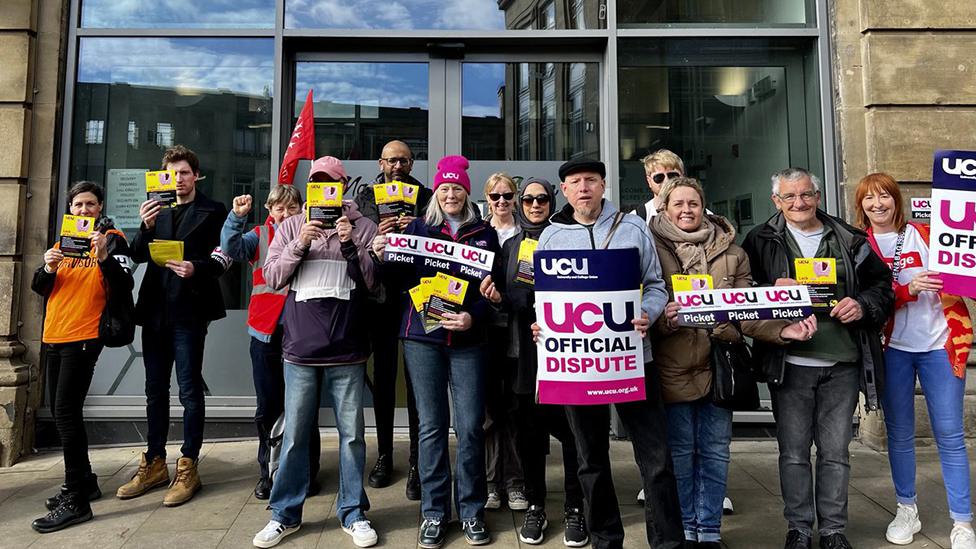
point(267, 370)
point(646, 425)
point(504, 468)
point(535, 423)
point(383, 332)
point(70, 367)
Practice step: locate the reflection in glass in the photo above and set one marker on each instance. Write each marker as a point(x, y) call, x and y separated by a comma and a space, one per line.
point(212, 95)
point(446, 14)
point(250, 14)
point(530, 111)
point(642, 13)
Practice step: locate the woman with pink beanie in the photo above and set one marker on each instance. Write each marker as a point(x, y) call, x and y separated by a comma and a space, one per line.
point(449, 357)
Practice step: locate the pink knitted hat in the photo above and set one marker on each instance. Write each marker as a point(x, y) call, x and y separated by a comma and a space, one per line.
point(453, 169)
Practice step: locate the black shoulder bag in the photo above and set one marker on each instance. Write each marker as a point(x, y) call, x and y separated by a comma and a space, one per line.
point(733, 380)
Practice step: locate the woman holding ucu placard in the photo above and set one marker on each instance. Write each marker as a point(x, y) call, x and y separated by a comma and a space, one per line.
point(451, 356)
point(691, 242)
point(929, 339)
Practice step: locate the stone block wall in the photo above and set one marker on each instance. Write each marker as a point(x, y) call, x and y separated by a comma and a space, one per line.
point(905, 85)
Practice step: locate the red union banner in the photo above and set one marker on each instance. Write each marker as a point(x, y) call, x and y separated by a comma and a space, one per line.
point(302, 143)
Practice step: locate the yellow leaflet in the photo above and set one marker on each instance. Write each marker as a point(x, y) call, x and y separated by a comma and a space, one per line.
point(410, 193)
point(526, 249)
point(77, 226)
point(449, 288)
point(388, 193)
point(420, 294)
point(816, 270)
point(693, 282)
point(162, 251)
point(162, 180)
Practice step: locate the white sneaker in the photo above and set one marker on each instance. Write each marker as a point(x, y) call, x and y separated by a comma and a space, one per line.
point(727, 508)
point(640, 497)
point(494, 500)
point(362, 533)
point(273, 533)
point(517, 501)
point(902, 530)
point(962, 538)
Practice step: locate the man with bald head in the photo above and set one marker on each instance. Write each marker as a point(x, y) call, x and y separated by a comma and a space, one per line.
point(395, 162)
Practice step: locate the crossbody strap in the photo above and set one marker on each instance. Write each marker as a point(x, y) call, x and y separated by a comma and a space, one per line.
point(613, 228)
point(899, 244)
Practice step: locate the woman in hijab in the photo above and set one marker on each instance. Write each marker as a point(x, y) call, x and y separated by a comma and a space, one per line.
point(515, 293)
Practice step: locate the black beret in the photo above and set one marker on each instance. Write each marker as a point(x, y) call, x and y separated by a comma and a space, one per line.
point(582, 165)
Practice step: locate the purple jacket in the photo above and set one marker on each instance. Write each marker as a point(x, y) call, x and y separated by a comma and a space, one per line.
point(324, 319)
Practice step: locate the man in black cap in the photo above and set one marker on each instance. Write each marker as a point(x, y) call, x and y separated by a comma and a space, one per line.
point(590, 222)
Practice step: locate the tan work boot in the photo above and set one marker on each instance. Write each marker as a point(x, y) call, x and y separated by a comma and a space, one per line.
point(186, 482)
point(149, 476)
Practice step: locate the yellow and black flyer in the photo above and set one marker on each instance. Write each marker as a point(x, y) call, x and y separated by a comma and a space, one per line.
point(691, 282)
point(76, 233)
point(389, 199)
point(324, 203)
point(161, 187)
point(525, 272)
point(819, 275)
point(446, 296)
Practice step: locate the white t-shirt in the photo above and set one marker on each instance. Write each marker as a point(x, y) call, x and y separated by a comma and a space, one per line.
point(505, 234)
point(809, 243)
point(919, 325)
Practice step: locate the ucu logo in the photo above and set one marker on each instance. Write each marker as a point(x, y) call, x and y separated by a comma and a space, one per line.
point(451, 175)
point(403, 242)
point(565, 266)
point(695, 300)
point(330, 192)
point(739, 298)
point(968, 220)
point(474, 255)
point(439, 248)
point(588, 318)
point(965, 166)
point(782, 295)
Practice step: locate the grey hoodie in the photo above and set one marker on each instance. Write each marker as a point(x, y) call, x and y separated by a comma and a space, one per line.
point(566, 233)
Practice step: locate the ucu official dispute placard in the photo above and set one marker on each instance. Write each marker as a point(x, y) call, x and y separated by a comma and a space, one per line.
point(953, 241)
point(589, 350)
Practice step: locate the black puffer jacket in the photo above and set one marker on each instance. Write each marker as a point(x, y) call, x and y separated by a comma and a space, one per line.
point(771, 258)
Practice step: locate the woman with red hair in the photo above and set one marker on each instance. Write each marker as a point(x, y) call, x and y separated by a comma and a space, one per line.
point(929, 339)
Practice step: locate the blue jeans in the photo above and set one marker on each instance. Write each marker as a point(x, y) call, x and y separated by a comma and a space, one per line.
point(303, 384)
point(182, 344)
point(432, 370)
point(943, 397)
point(699, 434)
point(816, 405)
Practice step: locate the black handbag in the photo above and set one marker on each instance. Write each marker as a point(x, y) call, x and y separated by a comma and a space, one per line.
point(733, 381)
point(117, 326)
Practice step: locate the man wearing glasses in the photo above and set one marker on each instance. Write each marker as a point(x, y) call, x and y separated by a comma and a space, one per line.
point(659, 167)
point(396, 162)
point(815, 383)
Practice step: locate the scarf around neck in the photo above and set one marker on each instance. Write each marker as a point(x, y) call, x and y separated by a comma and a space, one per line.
point(696, 248)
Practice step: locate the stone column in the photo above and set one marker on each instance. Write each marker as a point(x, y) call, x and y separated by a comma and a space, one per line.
point(905, 76)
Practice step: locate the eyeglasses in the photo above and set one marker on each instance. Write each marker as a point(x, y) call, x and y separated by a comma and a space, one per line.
point(660, 177)
point(541, 199)
point(495, 196)
point(806, 196)
point(397, 160)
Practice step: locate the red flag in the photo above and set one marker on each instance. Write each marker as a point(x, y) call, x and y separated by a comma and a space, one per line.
point(302, 143)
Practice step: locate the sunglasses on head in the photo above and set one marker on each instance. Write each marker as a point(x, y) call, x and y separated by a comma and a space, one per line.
point(495, 196)
point(660, 177)
point(542, 199)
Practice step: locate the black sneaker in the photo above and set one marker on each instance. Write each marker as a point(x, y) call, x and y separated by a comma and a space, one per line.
point(575, 533)
point(796, 539)
point(431, 535)
point(379, 477)
point(262, 490)
point(475, 532)
point(91, 484)
point(413, 484)
point(73, 509)
point(534, 526)
point(835, 541)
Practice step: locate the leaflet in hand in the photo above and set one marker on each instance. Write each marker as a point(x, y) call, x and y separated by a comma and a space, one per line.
point(525, 271)
point(389, 199)
point(161, 187)
point(691, 282)
point(76, 233)
point(324, 203)
point(162, 251)
point(819, 275)
point(410, 194)
point(446, 296)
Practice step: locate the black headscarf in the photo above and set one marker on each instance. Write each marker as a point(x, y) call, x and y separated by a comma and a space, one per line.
point(533, 230)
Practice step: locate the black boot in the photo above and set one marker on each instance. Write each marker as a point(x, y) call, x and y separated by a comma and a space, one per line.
point(381, 474)
point(262, 490)
point(413, 484)
point(91, 488)
point(73, 509)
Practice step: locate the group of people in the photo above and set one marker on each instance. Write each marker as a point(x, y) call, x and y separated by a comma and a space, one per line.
point(323, 301)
